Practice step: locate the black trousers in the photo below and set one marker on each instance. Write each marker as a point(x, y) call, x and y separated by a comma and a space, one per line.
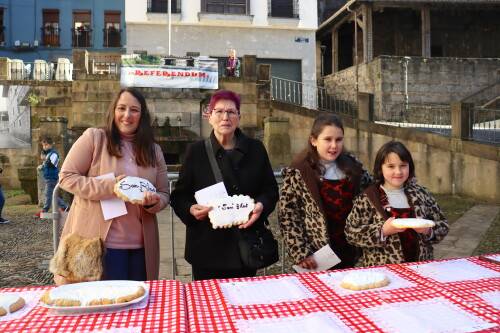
point(202, 273)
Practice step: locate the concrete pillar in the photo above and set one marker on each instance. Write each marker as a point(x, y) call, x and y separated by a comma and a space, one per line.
point(461, 125)
point(4, 69)
point(249, 68)
point(425, 14)
point(277, 141)
point(80, 63)
point(190, 10)
point(367, 33)
point(335, 50)
point(365, 106)
point(260, 12)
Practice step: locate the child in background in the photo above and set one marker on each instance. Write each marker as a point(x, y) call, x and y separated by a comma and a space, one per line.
point(395, 194)
point(2, 202)
point(317, 195)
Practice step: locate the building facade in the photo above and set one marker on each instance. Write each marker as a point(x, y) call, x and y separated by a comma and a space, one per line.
point(51, 29)
point(279, 32)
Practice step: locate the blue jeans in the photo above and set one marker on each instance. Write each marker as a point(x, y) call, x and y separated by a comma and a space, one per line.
point(124, 265)
point(49, 190)
point(2, 201)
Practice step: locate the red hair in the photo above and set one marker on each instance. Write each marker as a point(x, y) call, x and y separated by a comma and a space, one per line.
point(224, 94)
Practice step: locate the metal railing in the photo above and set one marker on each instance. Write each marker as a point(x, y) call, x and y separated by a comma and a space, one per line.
point(484, 125)
point(51, 36)
point(58, 223)
point(161, 6)
point(309, 96)
point(40, 70)
point(112, 37)
point(434, 118)
point(81, 37)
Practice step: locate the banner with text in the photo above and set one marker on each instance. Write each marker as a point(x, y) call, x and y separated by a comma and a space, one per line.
point(170, 77)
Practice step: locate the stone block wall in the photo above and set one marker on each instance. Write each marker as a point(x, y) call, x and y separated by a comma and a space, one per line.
point(430, 81)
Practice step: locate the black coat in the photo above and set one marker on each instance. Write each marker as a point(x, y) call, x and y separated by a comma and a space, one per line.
point(246, 170)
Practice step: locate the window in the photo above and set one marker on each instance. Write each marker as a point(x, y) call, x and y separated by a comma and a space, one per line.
point(82, 32)
point(161, 6)
point(2, 28)
point(283, 8)
point(112, 30)
point(225, 6)
point(50, 28)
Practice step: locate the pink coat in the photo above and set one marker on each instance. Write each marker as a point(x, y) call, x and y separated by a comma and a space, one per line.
point(89, 158)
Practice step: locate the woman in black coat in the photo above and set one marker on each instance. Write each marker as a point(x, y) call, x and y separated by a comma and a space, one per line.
point(245, 168)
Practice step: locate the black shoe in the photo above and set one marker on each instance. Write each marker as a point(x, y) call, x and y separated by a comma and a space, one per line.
point(4, 221)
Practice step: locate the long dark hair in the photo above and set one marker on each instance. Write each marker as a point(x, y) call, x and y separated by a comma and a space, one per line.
point(397, 148)
point(351, 167)
point(144, 138)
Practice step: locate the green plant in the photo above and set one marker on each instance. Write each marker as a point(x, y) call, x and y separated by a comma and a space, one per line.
point(33, 99)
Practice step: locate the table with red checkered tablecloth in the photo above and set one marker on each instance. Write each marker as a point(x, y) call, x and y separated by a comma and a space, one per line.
point(210, 311)
point(165, 312)
point(211, 305)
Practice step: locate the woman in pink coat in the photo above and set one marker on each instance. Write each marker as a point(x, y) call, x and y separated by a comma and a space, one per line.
point(124, 147)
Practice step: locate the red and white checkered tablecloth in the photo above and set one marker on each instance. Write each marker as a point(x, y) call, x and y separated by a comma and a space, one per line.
point(165, 312)
point(209, 311)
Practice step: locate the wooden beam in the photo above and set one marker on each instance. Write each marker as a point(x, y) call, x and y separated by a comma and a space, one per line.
point(367, 33)
point(335, 50)
point(425, 14)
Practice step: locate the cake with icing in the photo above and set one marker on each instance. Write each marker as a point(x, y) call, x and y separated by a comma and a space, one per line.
point(230, 211)
point(91, 295)
point(362, 280)
point(412, 223)
point(132, 189)
point(10, 303)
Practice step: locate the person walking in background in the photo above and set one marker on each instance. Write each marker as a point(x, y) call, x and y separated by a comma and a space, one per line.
point(395, 194)
point(317, 195)
point(2, 202)
point(50, 174)
point(233, 64)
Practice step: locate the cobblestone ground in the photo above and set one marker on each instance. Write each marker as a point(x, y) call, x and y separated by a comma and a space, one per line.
point(25, 249)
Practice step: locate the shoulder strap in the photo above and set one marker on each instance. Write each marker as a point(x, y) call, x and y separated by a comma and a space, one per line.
point(211, 159)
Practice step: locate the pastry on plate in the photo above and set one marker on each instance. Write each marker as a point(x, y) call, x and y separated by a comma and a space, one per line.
point(10, 303)
point(412, 223)
point(132, 189)
point(363, 280)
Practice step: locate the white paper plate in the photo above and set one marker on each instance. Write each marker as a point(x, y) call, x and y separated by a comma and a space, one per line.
point(413, 223)
point(95, 287)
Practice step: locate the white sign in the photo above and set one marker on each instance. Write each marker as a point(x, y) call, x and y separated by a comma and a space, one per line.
point(169, 77)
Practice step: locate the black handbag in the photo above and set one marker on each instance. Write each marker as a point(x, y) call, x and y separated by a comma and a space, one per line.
point(257, 246)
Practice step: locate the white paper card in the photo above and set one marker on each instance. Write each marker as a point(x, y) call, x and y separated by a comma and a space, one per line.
point(284, 289)
point(207, 194)
point(113, 207)
point(318, 322)
point(31, 300)
point(454, 270)
point(492, 298)
point(333, 279)
point(431, 316)
point(324, 257)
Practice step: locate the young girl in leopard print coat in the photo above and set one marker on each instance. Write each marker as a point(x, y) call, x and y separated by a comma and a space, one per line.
point(317, 195)
point(395, 194)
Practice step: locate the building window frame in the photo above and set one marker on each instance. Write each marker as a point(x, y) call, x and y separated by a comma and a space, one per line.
point(81, 31)
point(2, 27)
point(51, 31)
point(161, 6)
point(283, 8)
point(112, 31)
point(232, 7)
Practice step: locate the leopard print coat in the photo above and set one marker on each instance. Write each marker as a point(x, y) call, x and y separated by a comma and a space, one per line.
point(300, 214)
point(364, 225)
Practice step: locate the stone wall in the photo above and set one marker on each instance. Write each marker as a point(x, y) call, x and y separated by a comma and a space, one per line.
point(430, 81)
point(443, 164)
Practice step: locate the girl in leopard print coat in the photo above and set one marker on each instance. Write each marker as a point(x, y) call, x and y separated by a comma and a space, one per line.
point(317, 195)
point(395, 194)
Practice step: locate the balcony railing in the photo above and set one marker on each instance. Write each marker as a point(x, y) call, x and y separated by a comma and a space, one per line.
point(50, 36)
point(161, 6)
point(82, 37)
point(112, 37)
